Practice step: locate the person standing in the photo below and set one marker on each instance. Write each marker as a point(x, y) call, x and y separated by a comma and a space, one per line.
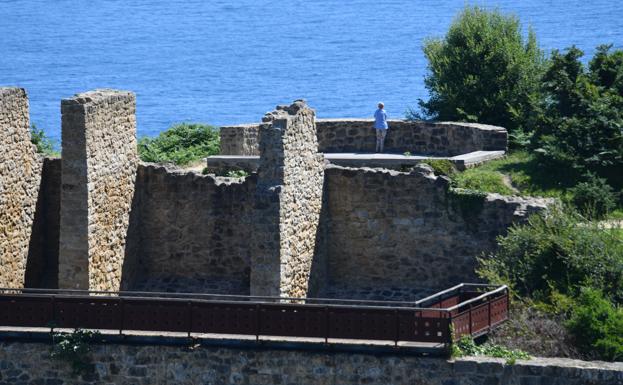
point(380, 125)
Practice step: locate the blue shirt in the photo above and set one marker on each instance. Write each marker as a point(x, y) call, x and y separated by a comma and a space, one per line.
point(380, 119)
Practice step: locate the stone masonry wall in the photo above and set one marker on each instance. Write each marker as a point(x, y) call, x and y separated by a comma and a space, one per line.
point(20, 178)
point(357, 135)
point(30, 364)
point(99, 168)
point(240, 140)
point(394, 235)
point(193, 232)
point(288, 202)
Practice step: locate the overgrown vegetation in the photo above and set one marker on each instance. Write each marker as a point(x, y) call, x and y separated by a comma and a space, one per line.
point(483, 70)
point(467, 347)
point(45, 145)
point(570, 268)
point(442, 166)
point(74, 348)
point(483, 180)
point(181, 144)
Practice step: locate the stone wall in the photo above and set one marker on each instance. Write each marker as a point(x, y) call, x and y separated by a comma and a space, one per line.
point(30, 364)
point(99, 168)
point(240, 140)
point(192, 232)
point(20, 178)
point(288, 202)
point(357, 135)
point(396, 235)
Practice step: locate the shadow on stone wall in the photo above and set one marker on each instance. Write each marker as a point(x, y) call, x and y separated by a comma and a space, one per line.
point(318, 273)
point(42, 262)
point(129, 269)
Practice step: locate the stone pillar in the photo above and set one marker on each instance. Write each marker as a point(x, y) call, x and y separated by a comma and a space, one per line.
point(100, 160)
point(20, 178)
point(288, 202)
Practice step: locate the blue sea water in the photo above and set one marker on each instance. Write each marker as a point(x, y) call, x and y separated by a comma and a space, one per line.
point(227, 62)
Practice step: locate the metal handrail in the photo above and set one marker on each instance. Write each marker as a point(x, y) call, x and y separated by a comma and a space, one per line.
point(245, 298)
point(480, 297)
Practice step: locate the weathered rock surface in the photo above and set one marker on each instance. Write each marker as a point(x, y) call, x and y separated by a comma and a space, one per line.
point(20, 178)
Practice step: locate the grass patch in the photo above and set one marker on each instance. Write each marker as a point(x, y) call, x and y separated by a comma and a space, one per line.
point(181, 144)
point(526, 175)
point(482, 180)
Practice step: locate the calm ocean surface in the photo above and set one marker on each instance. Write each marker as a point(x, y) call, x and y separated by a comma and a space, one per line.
point(228, 62)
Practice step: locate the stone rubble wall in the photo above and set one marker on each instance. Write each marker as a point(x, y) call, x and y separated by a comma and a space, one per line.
point(30, 364)
point(240, 140)
point(100, 160)
point(358, 135)
point(20, 178)
point(193, 232)
point(394, 235)
point(289, 201)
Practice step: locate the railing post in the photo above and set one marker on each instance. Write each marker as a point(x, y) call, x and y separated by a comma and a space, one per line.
point(397, 325)
point(470, 319)
point(257, 322)
point(53, 317)
point(190, 318)
point(122, 318)
point(489, 315)
point(326, 324)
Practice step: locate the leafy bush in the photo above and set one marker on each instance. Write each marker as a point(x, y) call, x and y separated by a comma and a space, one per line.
point(594, 199)
point(582, 120)
point(467, 347)
point(482, 180)
point(483, 70)
point(442, 166)
point(181, 144)
point(597, 325)
point(74, 348)
point(45, 145)
point(556, 253)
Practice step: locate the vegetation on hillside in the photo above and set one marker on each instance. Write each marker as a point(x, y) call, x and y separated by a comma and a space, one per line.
point(565, 121)
point(181, 144)
point(571, 269)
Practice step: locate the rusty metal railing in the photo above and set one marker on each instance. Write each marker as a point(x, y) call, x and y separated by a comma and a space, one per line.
point(469, 308)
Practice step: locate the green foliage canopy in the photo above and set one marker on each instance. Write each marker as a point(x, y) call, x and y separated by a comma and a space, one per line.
point(483, 70)
point(582, 121)
point(181, 144)
point(557, 253)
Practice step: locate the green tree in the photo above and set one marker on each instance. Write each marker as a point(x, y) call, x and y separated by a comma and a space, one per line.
point(484, 70)
point(582, 123)
point(181, 144)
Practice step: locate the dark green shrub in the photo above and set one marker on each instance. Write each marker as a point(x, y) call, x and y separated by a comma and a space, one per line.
point(467, 347)
point(556, 253)
point(45, 145)
point(483, 70)
point(594, 198)
point(597, 325)
point(181, 144)
point(74, 348)
point(442, 166)
point(581, 126)
point(468, 203)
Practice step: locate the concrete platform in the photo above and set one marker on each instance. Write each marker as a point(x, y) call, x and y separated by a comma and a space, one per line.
point(353, 159)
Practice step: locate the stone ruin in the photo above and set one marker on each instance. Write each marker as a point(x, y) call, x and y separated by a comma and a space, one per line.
point(99, 219)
